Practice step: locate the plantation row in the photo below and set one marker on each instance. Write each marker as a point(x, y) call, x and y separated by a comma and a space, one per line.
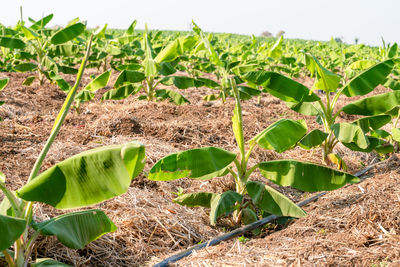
point(243, 68)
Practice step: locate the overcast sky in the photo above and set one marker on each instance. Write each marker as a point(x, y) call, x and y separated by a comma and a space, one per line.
point(307, 19)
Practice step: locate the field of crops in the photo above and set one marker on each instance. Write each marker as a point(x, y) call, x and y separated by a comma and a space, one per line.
point(124, 147)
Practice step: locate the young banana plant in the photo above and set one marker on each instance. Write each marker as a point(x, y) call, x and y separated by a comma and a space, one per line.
point(153, 70)
point(79, 181)
point(46, 48)
point(359, 135)
point(251, 199)
point(224, 67)
point(11, 49)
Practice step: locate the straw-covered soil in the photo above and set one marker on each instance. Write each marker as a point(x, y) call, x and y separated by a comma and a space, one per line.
point(357, 225)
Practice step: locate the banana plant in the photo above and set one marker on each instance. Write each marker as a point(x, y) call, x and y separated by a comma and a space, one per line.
point(11, 48)
point(108, 47)
point(82, 180)
point(251, 199)
point(358, 135)
point(153, 70)
point(88, 92)
point(3, 83)
point(223, 67)
point(47, 48)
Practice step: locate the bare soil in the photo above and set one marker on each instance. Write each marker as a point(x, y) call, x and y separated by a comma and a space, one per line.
point(357, 225)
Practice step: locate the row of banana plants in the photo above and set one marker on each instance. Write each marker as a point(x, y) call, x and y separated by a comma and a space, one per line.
point(148, 59)
point(42, 49)
point(102, 173)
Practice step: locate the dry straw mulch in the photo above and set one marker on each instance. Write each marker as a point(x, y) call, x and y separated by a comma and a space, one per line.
point(356, 226)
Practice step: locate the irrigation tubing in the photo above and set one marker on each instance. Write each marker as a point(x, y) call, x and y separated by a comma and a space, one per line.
point(248, 227)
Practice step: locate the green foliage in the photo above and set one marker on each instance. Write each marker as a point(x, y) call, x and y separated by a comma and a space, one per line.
point(352, 134)
point(77, 229)
point(242, 204)
point(87, 178)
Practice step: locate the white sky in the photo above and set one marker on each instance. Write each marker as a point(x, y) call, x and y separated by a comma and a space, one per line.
point(307, 19)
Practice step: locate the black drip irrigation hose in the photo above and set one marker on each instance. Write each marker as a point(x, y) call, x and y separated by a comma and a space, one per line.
point(248, 227)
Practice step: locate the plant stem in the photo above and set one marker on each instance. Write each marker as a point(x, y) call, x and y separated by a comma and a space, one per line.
point(60, 118)
point(19, 253)
point(251, 170)
point(238, 166)
point(13, 200)
point(8, 258)
point(29, 246)
point(56, 128)
point(239, 131)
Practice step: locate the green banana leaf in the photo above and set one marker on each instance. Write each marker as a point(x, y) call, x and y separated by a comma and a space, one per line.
point(132, 66)
point(131, 28)
point(223, 204)
point(29, 80)
point(373, 122)
point(392, 84)
point(375, 143)
point(281, 87)
point(313, 139)
point(24, 67)
point(99, 82)
point(166, 68)
point(121, 92)
point(202, 199)
point(12, 43)
point(366, 81)
point(374, 105)
point(380, 133)
point(326, 80)
point(199, 163)
point(149, 64)
point(67, 70)
point(6, 208)
point(64, 86)
point(84, 96)
point(40, 24)
point(199, 82)
point(3, 83)
point(248, 216)
point(305, 108)
point(281, 135)
point(11, 229)
point(271, 201)
point(28, 33)
point(213, 55)
point(128, 76)
point(362, 64)
point(350, 133)
point(50, 64)
point(396, 134)
point(87, 178)
point(305, 176)
point(68, 33)
point(393, 51)
point(247, 93)
point(169, 53)
point(77, 229)
point(181, 82)
point(276, 50)
point(175, 97)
